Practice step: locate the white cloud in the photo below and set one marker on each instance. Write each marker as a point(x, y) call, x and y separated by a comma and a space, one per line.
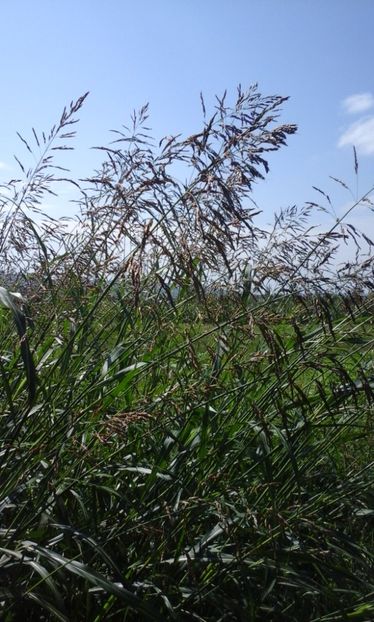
point(4, 166)
point(360, 135)
point(360, 102)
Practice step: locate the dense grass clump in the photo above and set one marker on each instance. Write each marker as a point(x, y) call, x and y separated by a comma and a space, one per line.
point(186, 397)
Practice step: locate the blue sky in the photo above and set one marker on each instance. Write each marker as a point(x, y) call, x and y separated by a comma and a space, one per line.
point(126, 53)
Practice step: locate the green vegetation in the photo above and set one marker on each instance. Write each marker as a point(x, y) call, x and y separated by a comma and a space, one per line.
point(186, 398)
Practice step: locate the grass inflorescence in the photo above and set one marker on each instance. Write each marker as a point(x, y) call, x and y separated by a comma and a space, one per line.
point(186, 396)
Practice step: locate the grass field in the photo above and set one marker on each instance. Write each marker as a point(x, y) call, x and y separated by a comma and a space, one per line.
point(171, 451)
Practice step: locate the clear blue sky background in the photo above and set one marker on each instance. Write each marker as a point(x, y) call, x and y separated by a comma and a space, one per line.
point(126, 53)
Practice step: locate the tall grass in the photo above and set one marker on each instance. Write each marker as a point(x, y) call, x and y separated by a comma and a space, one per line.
point(186, 413)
